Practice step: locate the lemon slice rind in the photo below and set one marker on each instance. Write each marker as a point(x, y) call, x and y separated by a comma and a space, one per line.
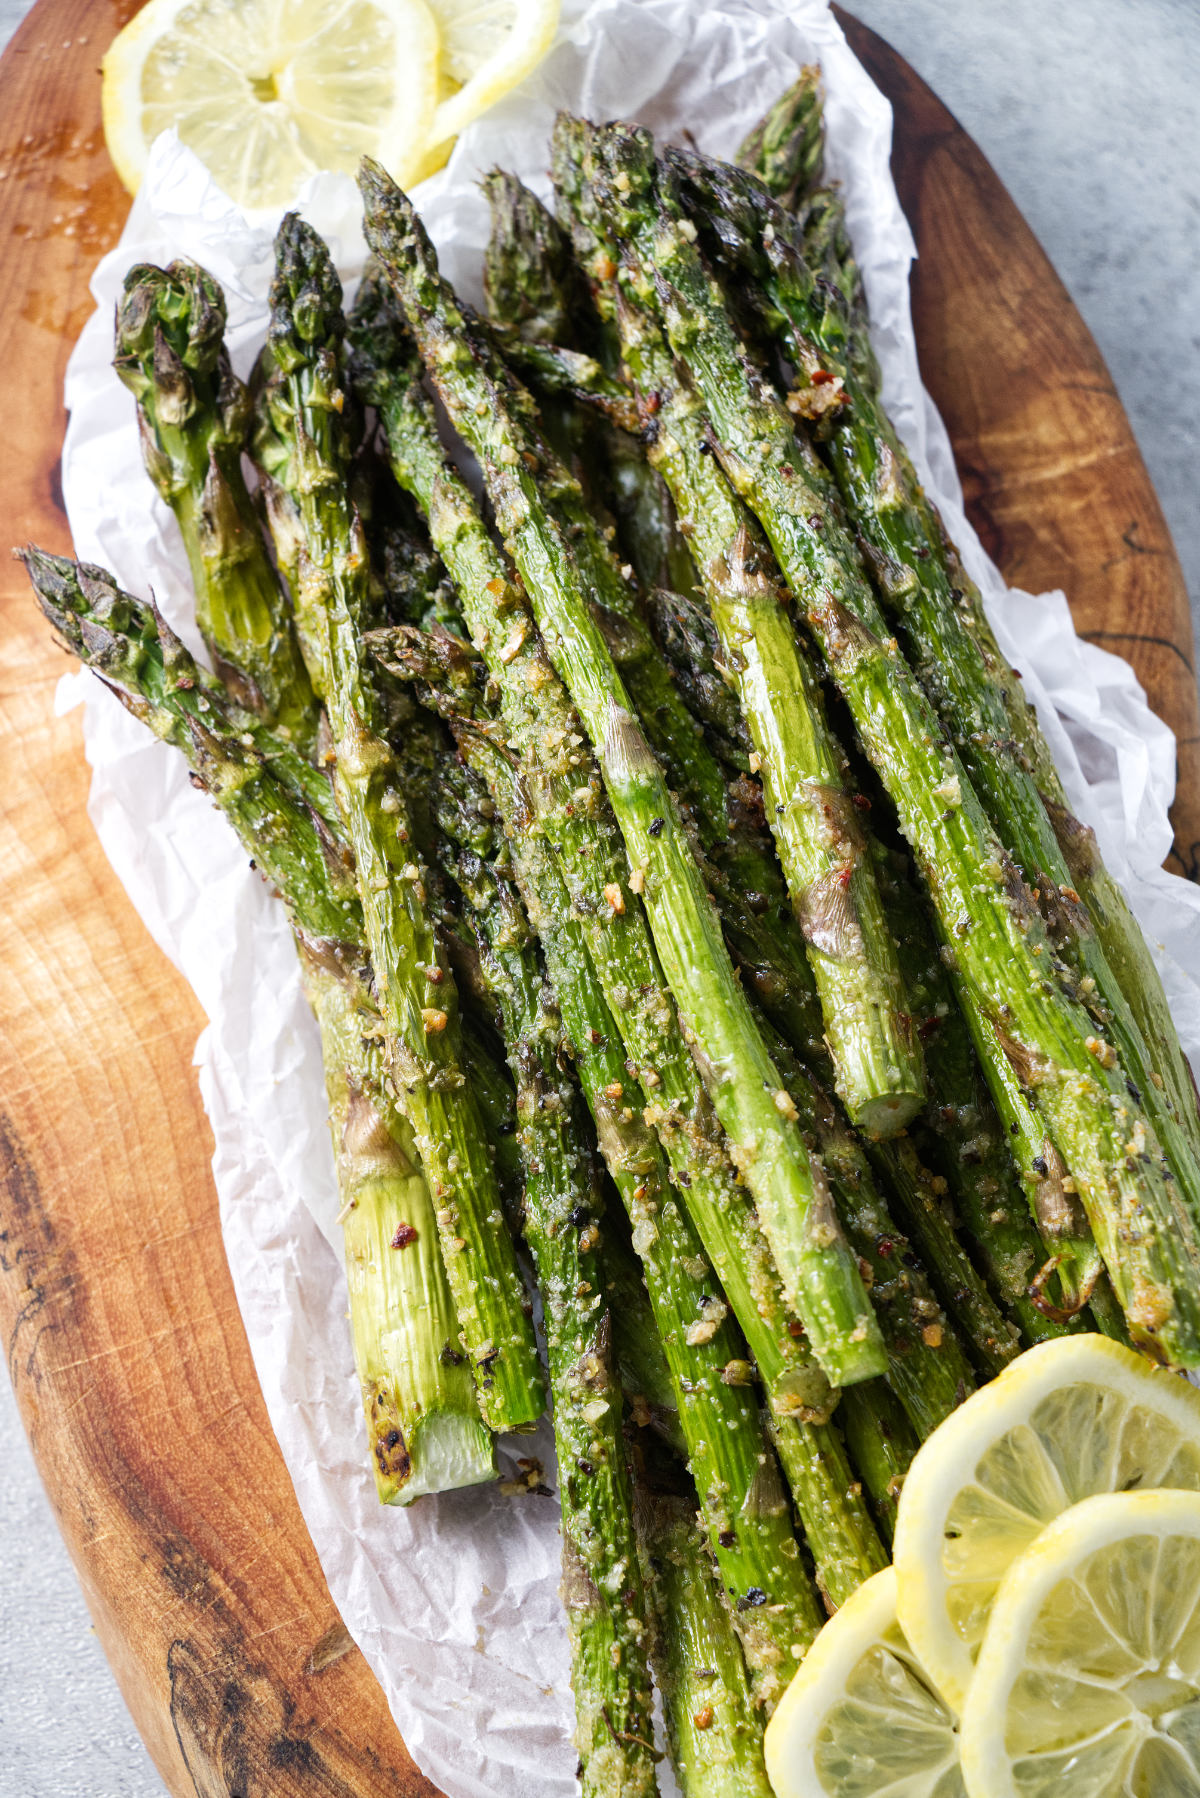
point(529, 37)
point(946, 1467)
point(1083, 1735)
point(170, 65)
point(860, 1697)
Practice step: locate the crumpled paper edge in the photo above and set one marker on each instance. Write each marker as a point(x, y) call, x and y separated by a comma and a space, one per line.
point(499, 1706)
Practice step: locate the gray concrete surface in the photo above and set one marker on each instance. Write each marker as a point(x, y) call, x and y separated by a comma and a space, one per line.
point(64, 1729)
point(1087, 110)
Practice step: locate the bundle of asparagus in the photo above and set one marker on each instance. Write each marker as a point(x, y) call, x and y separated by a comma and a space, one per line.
point(674, 929)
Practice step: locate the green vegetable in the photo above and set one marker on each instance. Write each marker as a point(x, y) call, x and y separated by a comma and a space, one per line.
point(1000, 954)
point(416, 989)
point(194, 417)
point(818, 1272)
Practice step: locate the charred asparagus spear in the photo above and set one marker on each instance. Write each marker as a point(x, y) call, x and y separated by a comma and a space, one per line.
point(945, 632)
point(194, 417)
point(1003, 960)
point(416, 989)
point(527, 290)
point(786, 149)
point(742, 1502)
point(714, 1732)
point(868, 1027)
point(545, 732)
point(602, 1585)
point(423, 1424)
point(705, 1355)
point(818, 1271)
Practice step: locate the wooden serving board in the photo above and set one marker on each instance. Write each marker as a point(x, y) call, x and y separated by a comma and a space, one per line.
point(123, 1339)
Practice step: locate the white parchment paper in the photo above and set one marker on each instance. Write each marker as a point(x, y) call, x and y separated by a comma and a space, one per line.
point(455, 1603)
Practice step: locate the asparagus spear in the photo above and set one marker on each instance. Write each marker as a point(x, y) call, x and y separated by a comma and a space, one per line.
point(827, 248)
point(529, 275)
point(602, 1586)
point(744, 1511)
point(641, 1358)
point(925, 1360)
point(786, 149)
point(956, 659)
point(1002, 957)
point(819, 1273)
point(841, 1538)
point(565, 806)
point(135, 652)
point(194, 416)
point(714, 1732)
point(969, 1149)
point(877, 1059)
point(882, 1444)
point(524, 270)
point(423, 1422)
point(417, 996)
point(539, 306)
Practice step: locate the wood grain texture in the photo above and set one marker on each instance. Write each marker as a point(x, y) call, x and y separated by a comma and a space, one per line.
point(123, 1339)
point(122, 1334)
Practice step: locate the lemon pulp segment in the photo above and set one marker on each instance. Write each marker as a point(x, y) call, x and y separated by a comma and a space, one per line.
point(1088, 1681)
point(266, 94)
point(1072, 1418)
point(488, 46)
point(861, 1718)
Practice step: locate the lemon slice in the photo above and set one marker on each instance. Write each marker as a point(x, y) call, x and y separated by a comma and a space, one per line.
point(1088, 1682)
point(487, 47)
point(267, 91)
point(1070, 1418)
point(861, 1717)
